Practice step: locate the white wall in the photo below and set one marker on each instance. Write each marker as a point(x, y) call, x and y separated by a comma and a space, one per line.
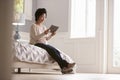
point(57, 12)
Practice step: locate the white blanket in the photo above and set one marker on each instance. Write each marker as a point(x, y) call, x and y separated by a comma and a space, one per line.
point(34, 54)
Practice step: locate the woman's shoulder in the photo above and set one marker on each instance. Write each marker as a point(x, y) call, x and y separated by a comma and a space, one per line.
point(33, 25)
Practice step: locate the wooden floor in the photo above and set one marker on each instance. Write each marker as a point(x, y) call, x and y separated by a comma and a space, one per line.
point(59, 76)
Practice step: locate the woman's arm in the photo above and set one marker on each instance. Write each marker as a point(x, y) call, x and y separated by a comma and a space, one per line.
point(50, 36)
point(34, 34)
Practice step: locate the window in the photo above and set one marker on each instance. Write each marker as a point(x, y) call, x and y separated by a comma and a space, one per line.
point(18, 8)
point(23, 7)
point(116, 34)
point(83, 18)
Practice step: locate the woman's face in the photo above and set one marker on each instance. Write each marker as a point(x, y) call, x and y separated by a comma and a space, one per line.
point(42, 18)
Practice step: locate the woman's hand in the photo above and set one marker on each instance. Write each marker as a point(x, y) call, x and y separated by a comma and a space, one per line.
point(46, 31)
point(52, 34)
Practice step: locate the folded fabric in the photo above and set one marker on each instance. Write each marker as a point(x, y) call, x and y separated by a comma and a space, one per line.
point(34, 54)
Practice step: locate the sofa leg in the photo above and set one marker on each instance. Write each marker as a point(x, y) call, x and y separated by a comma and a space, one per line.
point(19, 70)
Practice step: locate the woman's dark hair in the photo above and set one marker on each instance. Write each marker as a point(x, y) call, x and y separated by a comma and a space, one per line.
point(39, 12)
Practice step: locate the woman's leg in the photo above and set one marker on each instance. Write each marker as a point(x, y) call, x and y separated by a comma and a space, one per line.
point(54, 53)
point(67, 67)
